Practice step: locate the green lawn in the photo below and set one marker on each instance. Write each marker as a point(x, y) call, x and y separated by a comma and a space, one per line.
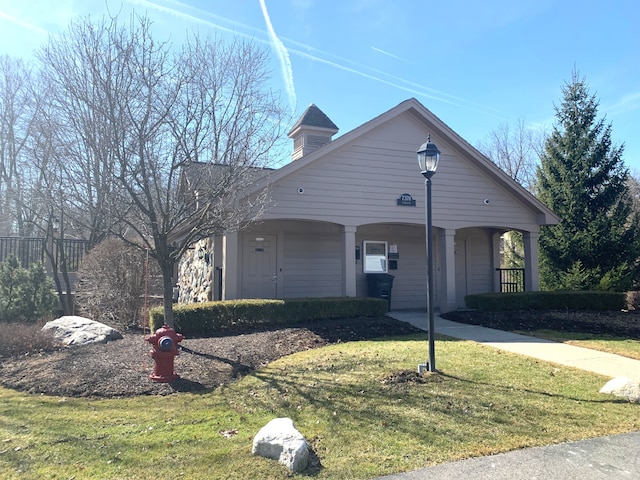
point(606, 343)
point(360, 405)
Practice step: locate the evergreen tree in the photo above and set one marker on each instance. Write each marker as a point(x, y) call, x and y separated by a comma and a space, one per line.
point(583, 179)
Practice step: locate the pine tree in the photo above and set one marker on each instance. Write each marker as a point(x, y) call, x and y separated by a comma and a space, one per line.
point(583, 179)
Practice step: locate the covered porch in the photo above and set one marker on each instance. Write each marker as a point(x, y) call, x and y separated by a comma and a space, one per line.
point(300, 258)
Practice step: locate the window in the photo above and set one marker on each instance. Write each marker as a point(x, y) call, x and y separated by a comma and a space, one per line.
point(375, 257)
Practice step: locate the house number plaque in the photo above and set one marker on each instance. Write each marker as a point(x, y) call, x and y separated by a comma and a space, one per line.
point(406, 200)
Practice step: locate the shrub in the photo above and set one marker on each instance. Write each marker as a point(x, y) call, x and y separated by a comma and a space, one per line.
point(633, 300)
point(111, 284)
point(578, 277)
point(26, 294)
point(557, 300)
point(211, 317)
point(26, 338)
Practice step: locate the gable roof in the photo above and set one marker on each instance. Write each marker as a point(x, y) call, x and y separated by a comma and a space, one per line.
point(419, 111)
point(196, 174)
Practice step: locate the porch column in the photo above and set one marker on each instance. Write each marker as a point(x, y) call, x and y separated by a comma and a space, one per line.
point(531, 272)
point(448, 271)
point(495, 252)
point(230, 266)
point(349, 261)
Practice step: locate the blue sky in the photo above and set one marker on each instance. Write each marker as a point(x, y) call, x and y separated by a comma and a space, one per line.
point(476, 65)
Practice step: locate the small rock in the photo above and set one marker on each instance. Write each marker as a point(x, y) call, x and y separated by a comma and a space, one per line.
point(75, 330)
point(280, 441)
point(623, 387)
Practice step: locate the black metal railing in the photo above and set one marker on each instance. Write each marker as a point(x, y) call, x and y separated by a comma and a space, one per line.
point(511, 279)
point(32, 250)
point(26, 250)
point(72, 251)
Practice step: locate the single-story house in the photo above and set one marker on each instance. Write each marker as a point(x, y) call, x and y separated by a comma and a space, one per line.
point(344, 208)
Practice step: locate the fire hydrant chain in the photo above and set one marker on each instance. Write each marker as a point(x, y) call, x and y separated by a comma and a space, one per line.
point(165, 349)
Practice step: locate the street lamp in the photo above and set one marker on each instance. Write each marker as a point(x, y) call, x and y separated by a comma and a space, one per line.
point(428, 158)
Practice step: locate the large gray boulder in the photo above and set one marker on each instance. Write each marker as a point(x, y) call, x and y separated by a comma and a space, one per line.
point(75, 330)
point(280, 441)
point(623, 387)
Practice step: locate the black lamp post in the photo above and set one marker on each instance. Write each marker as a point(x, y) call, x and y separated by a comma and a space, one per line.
point(428, 158)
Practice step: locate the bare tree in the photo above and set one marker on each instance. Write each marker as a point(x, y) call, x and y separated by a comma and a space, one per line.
point(148, 113)
point(515, 149)
point(72, 133)
point(30, 200)
point(16, 118)
point(51, 200)
point(633, 184)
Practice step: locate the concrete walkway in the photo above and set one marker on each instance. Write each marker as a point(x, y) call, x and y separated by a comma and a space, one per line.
point(603, 363)
point(606, 458)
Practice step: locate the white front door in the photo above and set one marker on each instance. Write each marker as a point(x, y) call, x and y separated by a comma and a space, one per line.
point(259, 272)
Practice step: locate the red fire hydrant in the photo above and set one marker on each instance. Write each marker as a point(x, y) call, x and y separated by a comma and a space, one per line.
point(165, 348)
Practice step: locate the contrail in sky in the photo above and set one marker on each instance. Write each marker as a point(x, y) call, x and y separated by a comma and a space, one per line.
point(283, 56)
point(30, 26)
point(179, 8)
point(390, 55)
point(191, 18)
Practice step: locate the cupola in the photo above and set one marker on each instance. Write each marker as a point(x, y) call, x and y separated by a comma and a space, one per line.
point(312, 131)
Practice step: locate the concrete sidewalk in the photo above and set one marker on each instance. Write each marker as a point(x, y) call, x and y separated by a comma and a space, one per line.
point(606, 458)
point(603, 363)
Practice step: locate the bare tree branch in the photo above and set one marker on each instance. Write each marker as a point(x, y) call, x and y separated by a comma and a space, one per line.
point(136, 118)
point(515, 149)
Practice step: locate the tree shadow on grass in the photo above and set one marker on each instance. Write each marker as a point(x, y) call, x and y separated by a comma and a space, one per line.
point(185, 385)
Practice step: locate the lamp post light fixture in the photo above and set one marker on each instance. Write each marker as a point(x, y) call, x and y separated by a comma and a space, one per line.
point(428, 158)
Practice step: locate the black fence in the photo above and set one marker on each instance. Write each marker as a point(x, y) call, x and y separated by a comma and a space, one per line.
point(32, 250)
point(72, 251)
point(511, 279)
point(26, 250)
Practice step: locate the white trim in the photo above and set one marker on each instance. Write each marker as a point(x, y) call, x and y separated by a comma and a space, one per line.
point(369, 265)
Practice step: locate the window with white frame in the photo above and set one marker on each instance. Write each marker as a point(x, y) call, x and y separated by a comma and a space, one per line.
point(375, 257)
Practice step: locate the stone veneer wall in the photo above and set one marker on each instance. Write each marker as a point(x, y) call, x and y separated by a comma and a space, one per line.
point(195, 275)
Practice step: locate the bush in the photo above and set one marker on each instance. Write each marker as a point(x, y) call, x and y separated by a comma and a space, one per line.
point(212, 317)
point(26, 338)
point(582, 300)
point(633, 300)
point(111, 284)
point(578, 277)
point(26, 294)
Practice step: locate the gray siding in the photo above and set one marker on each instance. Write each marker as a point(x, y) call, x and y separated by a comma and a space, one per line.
point(355, 182)
point(480, 271)
point(360, 182)
point(312, 266)
point(409, 284)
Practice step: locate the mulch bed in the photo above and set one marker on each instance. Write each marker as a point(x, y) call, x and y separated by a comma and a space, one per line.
point(622, 324)
point(121, 368)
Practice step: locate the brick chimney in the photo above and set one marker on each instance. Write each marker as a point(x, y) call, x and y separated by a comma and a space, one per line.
point(312, 131)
